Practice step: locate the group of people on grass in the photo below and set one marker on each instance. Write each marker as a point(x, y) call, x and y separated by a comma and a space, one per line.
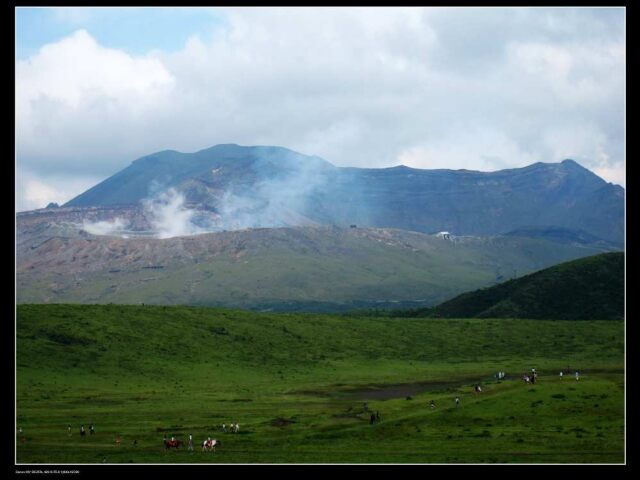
point(577, 374)
point(233, 428)
point(83, 432)
point(374, 417)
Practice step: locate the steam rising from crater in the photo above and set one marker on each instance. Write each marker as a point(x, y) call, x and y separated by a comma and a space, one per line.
point(114, 227)
point(169, 217)
point(286, 188)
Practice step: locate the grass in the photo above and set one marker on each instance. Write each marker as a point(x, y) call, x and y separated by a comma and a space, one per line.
point(296, 384)
point(587, 288)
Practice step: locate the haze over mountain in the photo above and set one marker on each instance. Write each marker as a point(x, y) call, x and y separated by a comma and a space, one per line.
point(229, 186)
point(267, 227)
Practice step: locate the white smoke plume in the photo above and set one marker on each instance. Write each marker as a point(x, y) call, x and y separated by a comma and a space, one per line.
point(169, 217)
point(280, 198)
point(115, 227)
point(275, 201)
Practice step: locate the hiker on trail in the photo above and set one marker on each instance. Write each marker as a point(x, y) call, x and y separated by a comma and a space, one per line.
point(237, 428)
point(82, 432)
point(91, 429)
point(561, 373)
point(190, 442)
point(577, 375)
point(69, 429)
point(224, 428)
point(372, 419)
point(457, 402)
point(377, 416)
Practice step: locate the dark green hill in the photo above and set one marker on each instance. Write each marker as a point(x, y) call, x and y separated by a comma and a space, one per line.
point(584, 289)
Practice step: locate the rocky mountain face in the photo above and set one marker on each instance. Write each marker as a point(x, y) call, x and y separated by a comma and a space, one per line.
point(302, 268)
point(230, 186)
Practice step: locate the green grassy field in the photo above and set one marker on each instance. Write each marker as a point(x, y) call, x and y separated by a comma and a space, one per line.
point(296, 384)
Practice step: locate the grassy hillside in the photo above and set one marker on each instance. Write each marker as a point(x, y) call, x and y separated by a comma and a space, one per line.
point(296, 385)
point(285, 269)
point(588, 288)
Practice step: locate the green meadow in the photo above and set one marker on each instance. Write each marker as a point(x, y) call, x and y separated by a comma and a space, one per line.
point(297, 385)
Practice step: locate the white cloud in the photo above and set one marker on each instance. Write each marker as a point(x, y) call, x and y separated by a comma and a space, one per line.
point(483, 149)
point(76, 99)
point(32, 192)
point(466, 88)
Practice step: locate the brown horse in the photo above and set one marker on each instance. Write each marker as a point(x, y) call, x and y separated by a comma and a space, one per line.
point(168, 444)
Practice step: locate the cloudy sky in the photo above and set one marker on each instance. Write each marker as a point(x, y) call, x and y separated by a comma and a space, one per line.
point(482, 89)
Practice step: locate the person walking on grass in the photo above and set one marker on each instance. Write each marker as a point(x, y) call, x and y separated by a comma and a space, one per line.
point(92, 430)
point(69, 429)
point(561, 374)
point(82, 432)
point(577, 375)
point(457, 402)
point(190, 442)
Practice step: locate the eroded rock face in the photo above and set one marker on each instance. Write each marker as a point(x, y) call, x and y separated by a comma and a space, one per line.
point(59, 261)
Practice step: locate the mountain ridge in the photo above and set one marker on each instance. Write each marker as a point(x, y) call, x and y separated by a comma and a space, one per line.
point(266, 186)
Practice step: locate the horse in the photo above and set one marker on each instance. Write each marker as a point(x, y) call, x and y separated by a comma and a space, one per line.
point(174, 443)
point(210, 445)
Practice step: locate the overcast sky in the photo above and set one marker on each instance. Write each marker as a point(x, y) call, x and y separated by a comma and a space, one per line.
point(475, 88)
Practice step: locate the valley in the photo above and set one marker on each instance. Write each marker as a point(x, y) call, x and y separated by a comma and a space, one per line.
point(297, 385)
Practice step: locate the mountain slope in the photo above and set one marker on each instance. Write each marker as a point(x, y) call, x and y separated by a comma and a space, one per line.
point(584, 289)
point(249, 187)
point(312, 268)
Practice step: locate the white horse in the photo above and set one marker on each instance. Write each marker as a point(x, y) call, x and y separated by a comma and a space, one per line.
point(209, 444)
